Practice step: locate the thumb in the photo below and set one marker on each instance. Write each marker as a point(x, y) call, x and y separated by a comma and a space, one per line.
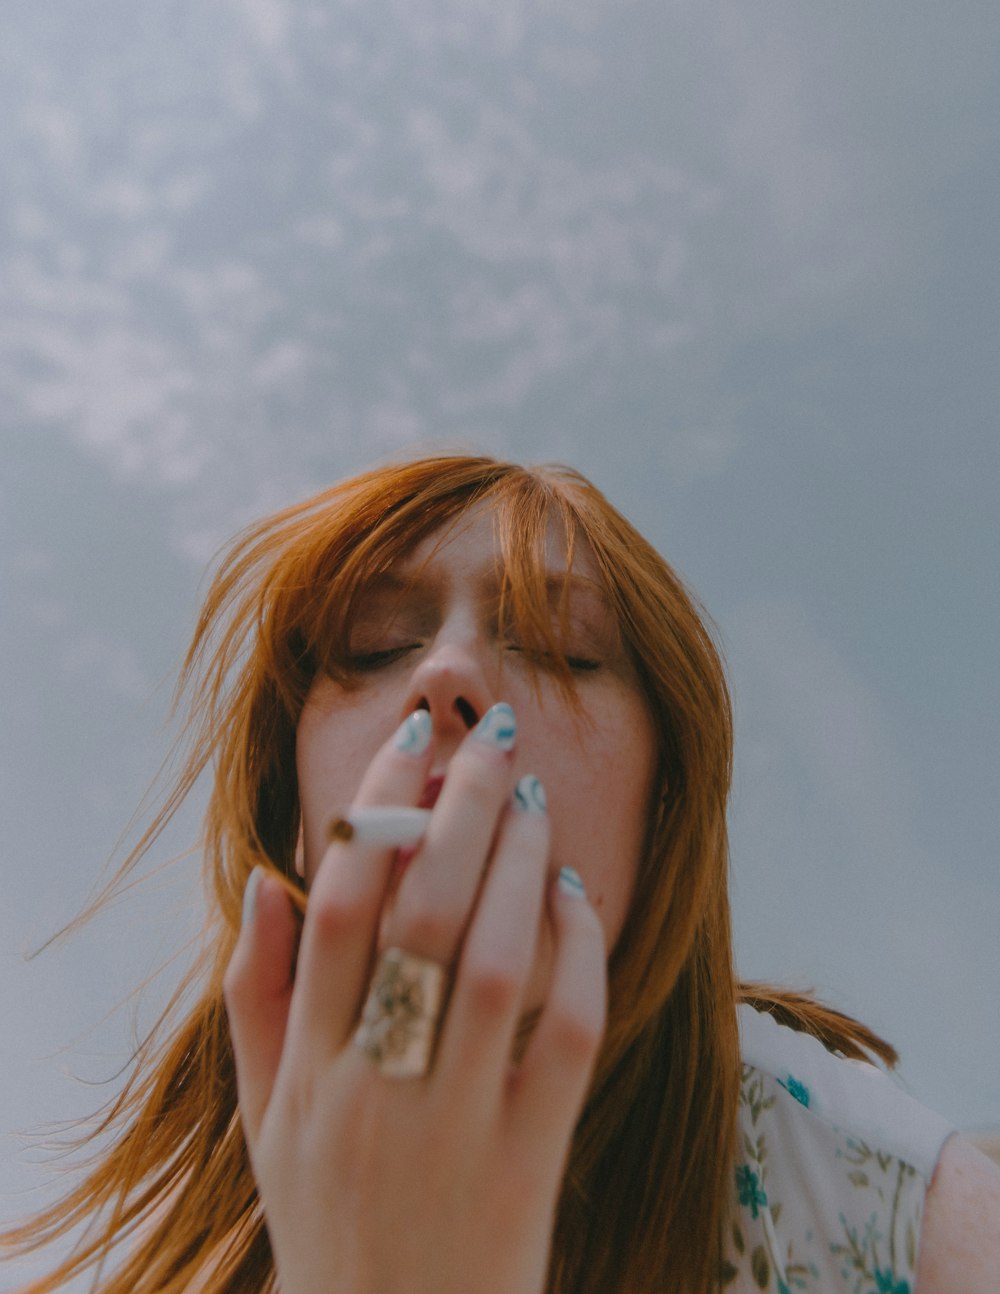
point(258, 989)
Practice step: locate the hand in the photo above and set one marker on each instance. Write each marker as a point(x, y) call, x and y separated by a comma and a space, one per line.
point(449, 1181)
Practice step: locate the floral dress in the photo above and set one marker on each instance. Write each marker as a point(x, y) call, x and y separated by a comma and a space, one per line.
point(833, 1161)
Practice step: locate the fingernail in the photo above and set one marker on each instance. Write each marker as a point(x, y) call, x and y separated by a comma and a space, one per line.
point(250, 897)
point(413, 735)
point(569, 882)
point(529, 794)
point(497, 727)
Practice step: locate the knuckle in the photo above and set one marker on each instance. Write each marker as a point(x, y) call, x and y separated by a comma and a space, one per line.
point(494, 991)
point(231, 984)
point(333, 917)
point(575, 1039)
point(236, 987)
point(426, 928)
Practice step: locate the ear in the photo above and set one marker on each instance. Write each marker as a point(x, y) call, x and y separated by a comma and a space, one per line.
point(300, 854)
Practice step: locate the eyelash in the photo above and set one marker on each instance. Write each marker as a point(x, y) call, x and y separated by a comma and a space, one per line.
point(579, 664)
point(373, 660)
point(369, 661)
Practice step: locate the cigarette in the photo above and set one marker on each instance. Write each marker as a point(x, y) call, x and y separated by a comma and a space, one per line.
point(391, 825)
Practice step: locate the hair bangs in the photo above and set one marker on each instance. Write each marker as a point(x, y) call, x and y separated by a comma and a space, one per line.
point(534, 603)
point(348, 538)
point(329, 568)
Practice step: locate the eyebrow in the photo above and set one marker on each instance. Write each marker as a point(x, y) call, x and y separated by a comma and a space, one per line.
point(557, 582)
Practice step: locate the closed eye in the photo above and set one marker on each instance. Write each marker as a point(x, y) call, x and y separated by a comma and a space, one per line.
point(580, 664)
point(373, 660)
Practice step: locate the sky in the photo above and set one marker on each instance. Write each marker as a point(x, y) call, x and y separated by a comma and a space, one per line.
point(738, 263)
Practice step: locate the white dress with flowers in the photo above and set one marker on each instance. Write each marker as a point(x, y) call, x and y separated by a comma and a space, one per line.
point(833, 1162)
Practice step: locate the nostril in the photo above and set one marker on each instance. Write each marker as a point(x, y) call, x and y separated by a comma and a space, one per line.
point(468, 713)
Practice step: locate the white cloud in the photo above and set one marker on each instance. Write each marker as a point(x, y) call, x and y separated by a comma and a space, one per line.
point(123, 196)
point(117, 390)
point(282, 362)
point(59, 130)
point(509, 200)
point(270, 25)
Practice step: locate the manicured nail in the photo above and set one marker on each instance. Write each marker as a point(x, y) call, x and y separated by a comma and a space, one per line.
point(570, 883)
point(413, 735)
point(497, 727)
point(529, 794)
point(250, 897)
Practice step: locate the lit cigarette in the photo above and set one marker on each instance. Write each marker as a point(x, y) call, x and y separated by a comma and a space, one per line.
point(390, 825)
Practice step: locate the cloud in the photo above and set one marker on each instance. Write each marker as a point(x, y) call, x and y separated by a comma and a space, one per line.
point(268, 20)
point(116, 386)
point(232, 274)
point(58, 129)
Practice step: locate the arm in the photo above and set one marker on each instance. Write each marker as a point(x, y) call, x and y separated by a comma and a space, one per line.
point(960, 1242)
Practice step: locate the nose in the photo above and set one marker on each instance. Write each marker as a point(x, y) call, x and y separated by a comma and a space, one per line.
point(451, 682)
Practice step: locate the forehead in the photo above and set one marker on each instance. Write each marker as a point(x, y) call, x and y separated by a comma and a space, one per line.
point(472, 541)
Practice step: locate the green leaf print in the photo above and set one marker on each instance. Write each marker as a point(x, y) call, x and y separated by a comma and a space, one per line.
point(761, 1268)
point(752, 1094)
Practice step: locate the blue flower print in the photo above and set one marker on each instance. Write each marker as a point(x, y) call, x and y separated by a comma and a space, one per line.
point(751, 1195)
point(799, 1090)
point(886, 1283)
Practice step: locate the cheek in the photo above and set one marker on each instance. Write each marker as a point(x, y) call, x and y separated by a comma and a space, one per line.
point(601, 803)
point(332, 751)
point(319, 743)
point(337, 736)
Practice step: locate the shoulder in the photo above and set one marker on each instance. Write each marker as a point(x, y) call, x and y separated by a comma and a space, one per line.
point(834, 1161)
point(960, 1243)
point(858, 1099)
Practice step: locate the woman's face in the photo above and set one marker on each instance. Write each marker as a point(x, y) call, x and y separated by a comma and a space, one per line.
point(427, 636)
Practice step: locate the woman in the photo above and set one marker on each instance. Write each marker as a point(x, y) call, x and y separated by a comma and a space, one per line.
point(501, 1049)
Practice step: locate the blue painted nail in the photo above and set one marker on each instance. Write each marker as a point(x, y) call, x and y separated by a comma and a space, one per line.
point(529, 794)
point(497, 727)
point(250, 897)
point(570, 883)
point(413, 735)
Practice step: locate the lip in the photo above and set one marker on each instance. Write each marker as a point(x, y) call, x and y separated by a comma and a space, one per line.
point(431, 792)
point(427, 800)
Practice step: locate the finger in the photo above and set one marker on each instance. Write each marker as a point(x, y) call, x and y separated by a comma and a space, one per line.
point(438, 890)
point(499, 952)
point(557, 1067)
point(346, 897)
point(258, 990)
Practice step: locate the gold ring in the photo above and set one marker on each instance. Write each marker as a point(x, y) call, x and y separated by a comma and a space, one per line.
point(402, 1013)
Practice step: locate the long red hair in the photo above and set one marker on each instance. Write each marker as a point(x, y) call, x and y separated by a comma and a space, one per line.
point(647, 1188)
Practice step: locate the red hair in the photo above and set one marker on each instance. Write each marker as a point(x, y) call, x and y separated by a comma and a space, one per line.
point(646, 1192)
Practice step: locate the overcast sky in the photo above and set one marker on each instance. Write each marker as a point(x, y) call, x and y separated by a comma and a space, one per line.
point(738, 262)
